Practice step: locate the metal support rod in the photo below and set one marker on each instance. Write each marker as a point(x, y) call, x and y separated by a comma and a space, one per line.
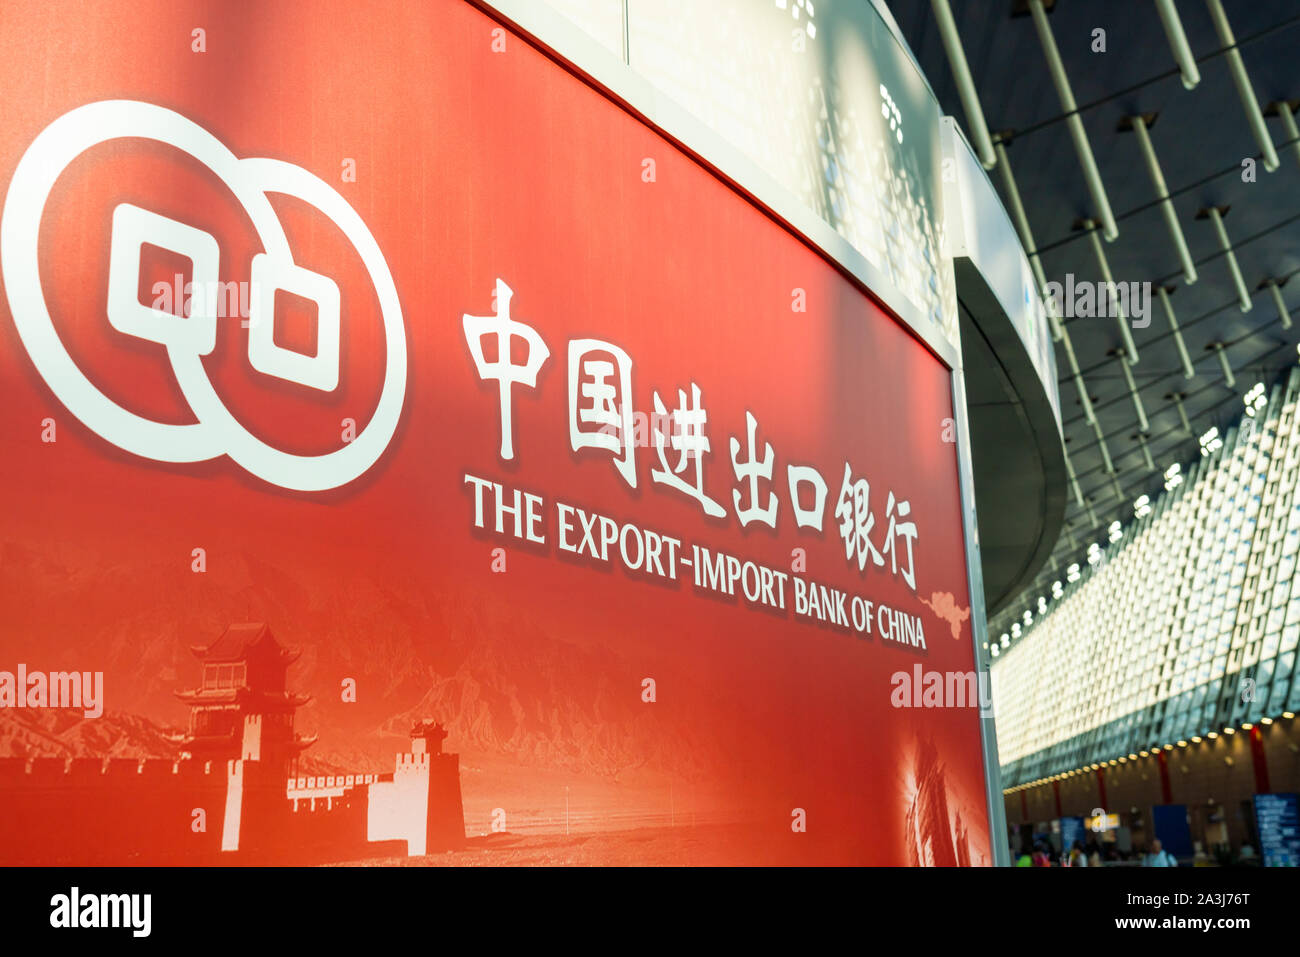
point(1243, 294)
point(1101, 444)
point(1130, 348)
point(1228, 377)
point(1178, 43)
point(1084, 400)
point(1074, 479)
point(1189, 371)
point(970, 100)
point(1026, 234)
point(1289, 125)
point(1078, 134)
point(1027, 239)
point(1182, 414)
point(1283, 313)
point(1143, 424)
point(1146, 453)
point(1166, 204)
point(1242, 81)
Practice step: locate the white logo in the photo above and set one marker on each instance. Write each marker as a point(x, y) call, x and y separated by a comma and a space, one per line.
point(189, 338)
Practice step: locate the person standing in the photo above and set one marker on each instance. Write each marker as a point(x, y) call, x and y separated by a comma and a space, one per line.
point(1159, 857)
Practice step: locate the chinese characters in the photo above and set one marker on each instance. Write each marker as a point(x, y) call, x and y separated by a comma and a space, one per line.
point(600, 404)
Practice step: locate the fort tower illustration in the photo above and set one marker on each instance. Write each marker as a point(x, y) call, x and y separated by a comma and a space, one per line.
point(235, 795)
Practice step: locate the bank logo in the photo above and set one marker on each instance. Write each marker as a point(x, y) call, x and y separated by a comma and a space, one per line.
point(188, 338)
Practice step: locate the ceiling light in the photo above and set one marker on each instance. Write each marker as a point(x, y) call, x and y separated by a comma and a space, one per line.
point(1173, 477)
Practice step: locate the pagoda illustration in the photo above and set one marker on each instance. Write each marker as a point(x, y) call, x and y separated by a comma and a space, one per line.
point(235, 796)
point(244, 677)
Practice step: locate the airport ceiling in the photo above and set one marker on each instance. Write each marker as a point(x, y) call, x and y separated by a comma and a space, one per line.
point(1200, 137)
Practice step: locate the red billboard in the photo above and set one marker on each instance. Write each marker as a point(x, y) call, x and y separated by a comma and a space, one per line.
point(407, 450)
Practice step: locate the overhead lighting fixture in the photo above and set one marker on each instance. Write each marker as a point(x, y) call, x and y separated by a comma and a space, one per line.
point(1173, 477)
point(1210, 441)
point(1274, 287)
point(1094, 554)
point(1079, 136)
point(1139, 123)
point(1057, 590)
point(1183, 55)
point(1241, 80)
point(1114, 532)
point(975, 122)
point(1142, 507)
point(1072, 573)
point(1255, 399)
point(1215, 215)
